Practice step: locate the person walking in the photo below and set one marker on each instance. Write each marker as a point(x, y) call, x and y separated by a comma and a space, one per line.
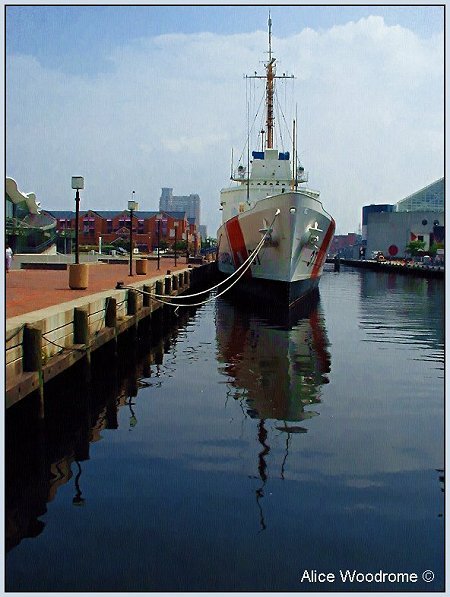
point(8, 258)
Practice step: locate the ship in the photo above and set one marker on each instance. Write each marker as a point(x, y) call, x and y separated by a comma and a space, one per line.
point(275, 232)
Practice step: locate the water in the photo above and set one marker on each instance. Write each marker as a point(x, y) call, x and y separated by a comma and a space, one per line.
point(243, 453)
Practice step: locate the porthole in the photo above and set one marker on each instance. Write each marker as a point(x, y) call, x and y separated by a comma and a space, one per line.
point(436, 223)
point(424, 222)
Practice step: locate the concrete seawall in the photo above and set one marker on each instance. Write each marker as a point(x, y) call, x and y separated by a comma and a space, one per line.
point(415, 269)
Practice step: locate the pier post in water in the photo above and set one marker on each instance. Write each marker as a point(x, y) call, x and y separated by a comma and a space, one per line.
point(132, 305)
point(81, 331)
point(168, 285)
point(111, 318)
point(146, 296)
point(32, 358)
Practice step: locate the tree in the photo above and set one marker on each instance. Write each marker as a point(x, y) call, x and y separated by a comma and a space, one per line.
point(415, 247)
point(434, 247)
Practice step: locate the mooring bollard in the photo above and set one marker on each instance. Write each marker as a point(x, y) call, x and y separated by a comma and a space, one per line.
point(175, 282)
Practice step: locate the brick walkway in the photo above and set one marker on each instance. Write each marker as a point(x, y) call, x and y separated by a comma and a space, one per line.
point(30, 290)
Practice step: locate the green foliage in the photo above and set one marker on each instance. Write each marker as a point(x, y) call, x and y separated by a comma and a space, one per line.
point(208, 242)
point(180, 245)
point(434, 247)
point(415, 247)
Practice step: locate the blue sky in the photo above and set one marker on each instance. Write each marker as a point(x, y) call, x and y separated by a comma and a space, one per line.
point(143, 97)
point(79, 38)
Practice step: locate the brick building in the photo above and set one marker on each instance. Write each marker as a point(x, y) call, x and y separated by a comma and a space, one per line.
point(342, 244)
point(114, 226)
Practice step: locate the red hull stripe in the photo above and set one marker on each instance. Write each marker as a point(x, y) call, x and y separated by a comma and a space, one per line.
point(321, 256)
point(237, 243)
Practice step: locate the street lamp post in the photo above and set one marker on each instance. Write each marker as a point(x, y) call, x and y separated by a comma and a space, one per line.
point(132, 206)
point(77, 184)
point(158, 219)
point(175, 224)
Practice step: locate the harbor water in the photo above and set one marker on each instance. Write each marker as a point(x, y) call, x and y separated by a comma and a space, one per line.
point(245, 453)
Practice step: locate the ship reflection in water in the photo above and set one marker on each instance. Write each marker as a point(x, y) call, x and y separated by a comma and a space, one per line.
point(275, 364)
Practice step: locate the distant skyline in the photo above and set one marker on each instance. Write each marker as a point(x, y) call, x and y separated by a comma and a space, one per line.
point(144, 97)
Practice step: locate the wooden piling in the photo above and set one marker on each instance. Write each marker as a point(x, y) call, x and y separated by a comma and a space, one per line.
point(146, 297)
point(132, 304)
point(32, 359)
point(168, 285)
point(32, 348)
point(111, 312)
point(81, 335)
point(80, 326)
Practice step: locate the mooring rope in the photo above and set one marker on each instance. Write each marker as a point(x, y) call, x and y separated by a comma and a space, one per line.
point(247, 263)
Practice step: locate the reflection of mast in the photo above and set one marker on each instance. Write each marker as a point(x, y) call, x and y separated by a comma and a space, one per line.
point(262, 468)
point(285, 455)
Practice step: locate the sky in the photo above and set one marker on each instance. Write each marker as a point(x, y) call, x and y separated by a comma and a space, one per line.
point(144, 97)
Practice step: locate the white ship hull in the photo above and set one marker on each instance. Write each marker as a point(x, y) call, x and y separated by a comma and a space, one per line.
point(268, 205)
point(290, 263)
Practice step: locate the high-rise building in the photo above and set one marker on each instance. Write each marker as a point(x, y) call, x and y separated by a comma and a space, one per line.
point(190, 204)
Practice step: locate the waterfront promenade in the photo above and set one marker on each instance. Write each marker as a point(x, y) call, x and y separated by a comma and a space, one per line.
point(31, 290)
point(50, 327)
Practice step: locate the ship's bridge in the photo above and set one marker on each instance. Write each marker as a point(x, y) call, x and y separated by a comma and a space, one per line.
point(271, 165)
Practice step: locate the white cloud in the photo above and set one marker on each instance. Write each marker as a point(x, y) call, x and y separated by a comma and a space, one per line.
point(370, 108)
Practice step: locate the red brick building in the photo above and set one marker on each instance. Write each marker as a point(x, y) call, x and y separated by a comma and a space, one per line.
point(341, 242)
point(114, 226)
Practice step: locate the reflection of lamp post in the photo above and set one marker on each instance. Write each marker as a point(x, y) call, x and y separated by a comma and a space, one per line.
point(77, 183)
point(158, 219)
point(78, 500)
point(133, 419)
point(175, 224)
point(132, 206)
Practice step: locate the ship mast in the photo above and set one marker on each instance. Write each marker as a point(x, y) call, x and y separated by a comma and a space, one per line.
point(270, 77)
point(270, 74)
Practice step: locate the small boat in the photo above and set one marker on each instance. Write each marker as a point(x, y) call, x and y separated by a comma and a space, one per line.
point(275, 233)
